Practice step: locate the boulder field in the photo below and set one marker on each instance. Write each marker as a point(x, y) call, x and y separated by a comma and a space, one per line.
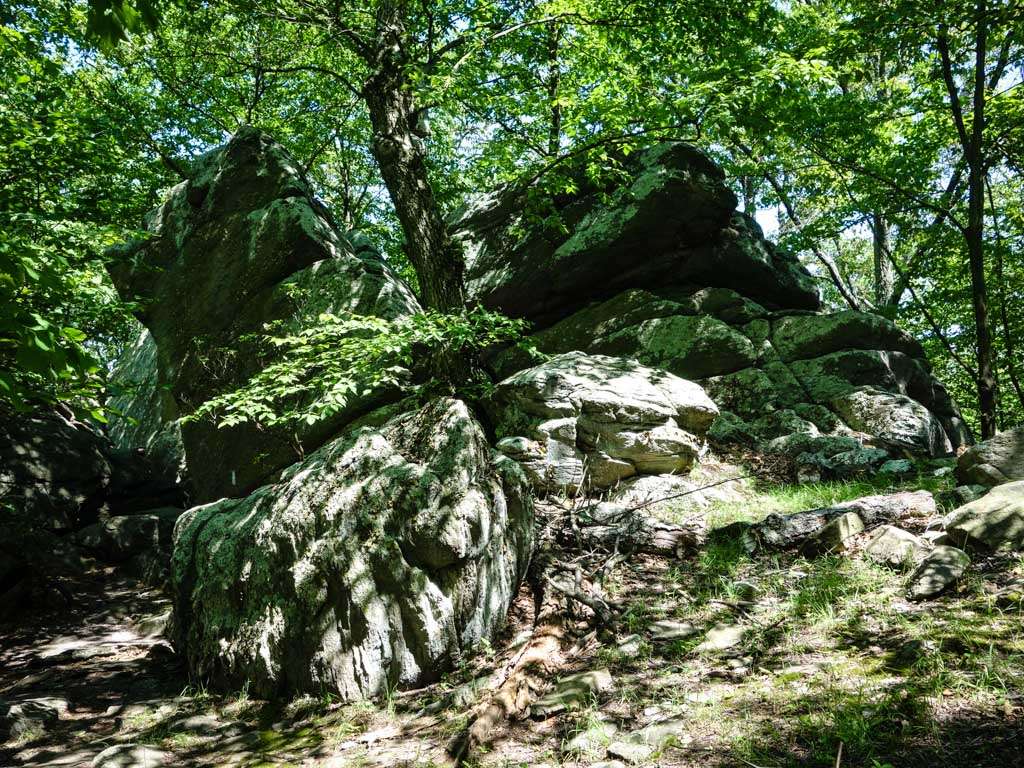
point(380, 547)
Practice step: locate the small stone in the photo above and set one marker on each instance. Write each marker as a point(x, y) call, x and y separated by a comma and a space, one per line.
point(745, 590)
point(896, 467)
point(940, 570)
point(672, 630)
point(835, 536)
point(29, 714)
point(630, 752)
point(631, 646)
point(573, 691)
point(943, 472)
point(722, 637)
point(895, 547)
point(935, 537)
point(130, 756)
point(592, 740)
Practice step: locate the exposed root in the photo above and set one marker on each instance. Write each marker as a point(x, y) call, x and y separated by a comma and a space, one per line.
point(525, 676)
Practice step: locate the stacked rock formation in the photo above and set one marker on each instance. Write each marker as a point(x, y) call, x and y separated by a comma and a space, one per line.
point(664, 270)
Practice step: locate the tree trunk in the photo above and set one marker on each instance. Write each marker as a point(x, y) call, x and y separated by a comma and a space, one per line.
point(554, 76)
point(402, 159)
point(974, 233)
point(885, 276)
point(975, 236)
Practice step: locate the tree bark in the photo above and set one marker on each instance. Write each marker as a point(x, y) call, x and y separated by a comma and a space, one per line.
point(402, 159)
point(885, 276)
point(974, 232)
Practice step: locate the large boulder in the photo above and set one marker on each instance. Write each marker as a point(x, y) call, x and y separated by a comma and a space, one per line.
point(672, 222)
point(53, 469)
point(377, 561)
point(995, 521)
point(590, 421)
point(241, 245)
point(657, 271)
point(996, 460)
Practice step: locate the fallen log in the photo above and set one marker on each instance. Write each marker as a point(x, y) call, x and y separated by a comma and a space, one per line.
point(610, 527)
point(779, 532)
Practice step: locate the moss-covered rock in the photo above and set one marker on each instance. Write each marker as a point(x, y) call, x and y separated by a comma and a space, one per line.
point(379, 560)
point(241, 244)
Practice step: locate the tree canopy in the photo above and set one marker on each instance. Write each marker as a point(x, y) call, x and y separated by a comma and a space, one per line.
point(883, 140)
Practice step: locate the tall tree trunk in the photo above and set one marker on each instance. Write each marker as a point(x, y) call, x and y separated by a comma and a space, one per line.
point(974, 233)
point(885, 275)
point(402, 159)
point(554, 76)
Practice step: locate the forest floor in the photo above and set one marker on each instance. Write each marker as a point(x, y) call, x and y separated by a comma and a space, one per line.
point(718, 659)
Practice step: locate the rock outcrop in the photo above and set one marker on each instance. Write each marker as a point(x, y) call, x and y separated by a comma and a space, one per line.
point(377, 561)
point(664, 270)
point(62, 482)
point(145, 415)
point(999, 459)
point(240, 245)
point(590, 421)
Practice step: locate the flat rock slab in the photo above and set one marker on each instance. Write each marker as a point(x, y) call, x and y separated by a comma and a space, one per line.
point(665, 630)
point(131, 756)
point(573, 691)
point(995, 521)
point(937, 572)
point(722, 637)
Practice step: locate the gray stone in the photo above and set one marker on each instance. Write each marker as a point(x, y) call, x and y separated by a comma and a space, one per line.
point(965, 494)
point(591, 420)
point(896, 467)
point(145, 413)
point(994, 521)
point(666, 630)
point(995, 461)
point(894, 419)
point(895, 547)
point(633, 753)
point(380, 560)
point(803, 336)
point(241, 244)
point(835, 536)
point(131, 756)
point(53, 470)
point(674, 206)
point(722, 637)
point(573, 691)
point(117, 539)
point(941, 569)
point(29, 716)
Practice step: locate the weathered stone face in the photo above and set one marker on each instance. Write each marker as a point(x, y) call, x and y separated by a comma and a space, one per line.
point(378, 560)
point(590, 420)
point(241, 244)
point(145, 418)
point(673, 223)
point(711, 301)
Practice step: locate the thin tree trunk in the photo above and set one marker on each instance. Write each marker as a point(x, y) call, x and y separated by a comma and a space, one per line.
point(554, 76)
point(1009, 347)
point(974, 232)
point(885, 276)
